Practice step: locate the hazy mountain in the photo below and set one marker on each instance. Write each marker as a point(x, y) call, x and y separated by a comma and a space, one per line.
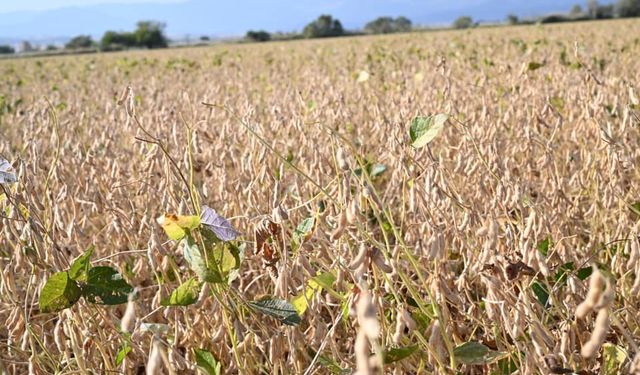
point(227, 18)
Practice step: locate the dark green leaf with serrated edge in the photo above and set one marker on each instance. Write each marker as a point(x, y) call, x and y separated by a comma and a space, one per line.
point(106, 286)
point(279, 309)
point(184, 295)
point(207, 363)
point(59, 293)
point(81, 265)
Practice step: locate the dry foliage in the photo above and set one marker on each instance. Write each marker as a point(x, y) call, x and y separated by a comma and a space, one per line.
point(483, 237)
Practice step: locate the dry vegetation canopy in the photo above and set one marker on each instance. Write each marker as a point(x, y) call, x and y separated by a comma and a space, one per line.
point(471, 254)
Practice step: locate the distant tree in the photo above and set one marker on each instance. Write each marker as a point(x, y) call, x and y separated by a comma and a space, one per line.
point(7, 50)
point(150, 34)
point(627, 8)
point(324, 26)
point(52, 47)
point(112, 40)
point(25, 46)
point(387, 25)
point(576, 10)
point(592, 8)
point(204, 38)
point(463, 22)
point(512, 19)
point(258, 36)
point(80, 41)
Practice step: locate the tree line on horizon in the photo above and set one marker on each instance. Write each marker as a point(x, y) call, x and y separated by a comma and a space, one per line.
point(151, 35)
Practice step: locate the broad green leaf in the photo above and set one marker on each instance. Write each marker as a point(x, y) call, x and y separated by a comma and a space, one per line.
point(217, 224)
point(122, 353)
point(80, 266)
point(475, 353)
point(303, 231)
point(541, 292)
point(613, 358)
point(584, 273)
point(184, 295)
point(424, 129)
point(279, 309)
point(398, 354)
point(106, 286)
point(197, 262)
point(635, 208)
point(543, 246)
point(207, 363)
point(59, 293)
point(177, 226)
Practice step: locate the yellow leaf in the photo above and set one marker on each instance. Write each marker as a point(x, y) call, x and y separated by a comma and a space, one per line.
point(176, 226)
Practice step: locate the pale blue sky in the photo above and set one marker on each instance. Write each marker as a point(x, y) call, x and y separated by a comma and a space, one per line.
point(13, 5)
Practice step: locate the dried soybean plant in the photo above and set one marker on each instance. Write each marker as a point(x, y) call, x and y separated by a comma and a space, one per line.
point(447, 202)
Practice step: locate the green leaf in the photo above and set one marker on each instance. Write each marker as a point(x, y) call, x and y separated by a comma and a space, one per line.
point(543, 246)
point(475, 353)
point(197, 263)
point(59, 293)
point(332, 365)
point(506, 366)
point(80, 266)
point(184, 295)
point(377, 169)
point(541, 292)
point(207, 363)
point(398, 354)
point(424, 129)
point(635, 208)
point(122, 353)
point(584, 273)
point(279, 309)
point(303, 231)
point(106, 286)
point(534, 65)
point(613, 357)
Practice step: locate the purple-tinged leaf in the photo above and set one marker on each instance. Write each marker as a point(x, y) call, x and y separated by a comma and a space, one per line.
point(217, 224)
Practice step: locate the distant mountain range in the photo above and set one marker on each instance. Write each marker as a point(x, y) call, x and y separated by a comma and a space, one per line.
point(233, 18)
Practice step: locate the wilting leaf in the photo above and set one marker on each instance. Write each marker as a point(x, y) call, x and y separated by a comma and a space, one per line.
point(398, 354)
point(122, 353)
point(184, 295)
point(316, 284)
point(197, 262)
point(106, 286)
point(177, 226)
point(424, 129)
point(303, 231)
point(6, 174)
point(80, 266)
point(534, 65)
point(475, 353)
point(207, 363)
point(59, 293)
point(217, 224)
point(279, 309)
point(613, 357)
point(557, 102)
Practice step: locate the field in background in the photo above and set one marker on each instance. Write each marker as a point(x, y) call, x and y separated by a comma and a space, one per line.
point(469, 255)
